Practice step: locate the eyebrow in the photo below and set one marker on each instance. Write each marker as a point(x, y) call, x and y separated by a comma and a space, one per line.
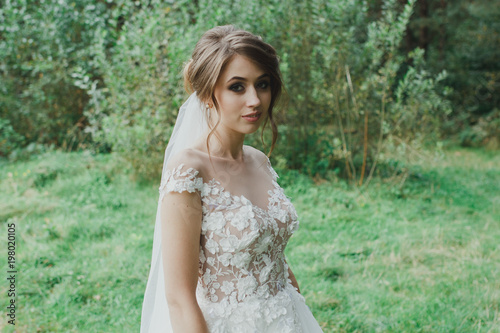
point(243, 79)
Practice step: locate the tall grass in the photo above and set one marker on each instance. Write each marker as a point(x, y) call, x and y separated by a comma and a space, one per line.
point(424, 257)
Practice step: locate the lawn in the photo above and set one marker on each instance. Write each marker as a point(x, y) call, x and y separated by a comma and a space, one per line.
point(424, 257)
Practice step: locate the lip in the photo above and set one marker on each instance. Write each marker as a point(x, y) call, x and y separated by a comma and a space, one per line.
point(252, 117)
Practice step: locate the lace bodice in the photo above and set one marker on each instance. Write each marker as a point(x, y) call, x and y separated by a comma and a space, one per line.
point(242, 245)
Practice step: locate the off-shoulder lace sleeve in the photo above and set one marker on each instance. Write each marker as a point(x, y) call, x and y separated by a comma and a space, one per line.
point(180, 179)
point(273, 173)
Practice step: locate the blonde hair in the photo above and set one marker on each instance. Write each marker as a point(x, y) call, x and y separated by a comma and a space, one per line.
point(213, 52)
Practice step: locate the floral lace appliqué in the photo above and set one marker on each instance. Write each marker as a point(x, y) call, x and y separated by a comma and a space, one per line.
point(243, 275)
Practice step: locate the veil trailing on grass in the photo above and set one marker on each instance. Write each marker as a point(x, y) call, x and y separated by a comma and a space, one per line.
point(190, 125)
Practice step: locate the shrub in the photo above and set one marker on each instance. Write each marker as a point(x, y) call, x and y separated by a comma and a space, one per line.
point(114, 69)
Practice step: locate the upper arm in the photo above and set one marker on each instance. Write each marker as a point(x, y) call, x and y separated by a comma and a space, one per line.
point(181, 217)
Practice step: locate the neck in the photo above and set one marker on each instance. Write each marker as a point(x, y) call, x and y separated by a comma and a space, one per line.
point(226, 145)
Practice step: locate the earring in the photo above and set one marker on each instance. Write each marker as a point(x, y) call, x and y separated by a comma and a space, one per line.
point(208, 106)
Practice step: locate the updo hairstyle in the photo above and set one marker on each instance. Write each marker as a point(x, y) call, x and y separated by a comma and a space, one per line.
point(213, 52)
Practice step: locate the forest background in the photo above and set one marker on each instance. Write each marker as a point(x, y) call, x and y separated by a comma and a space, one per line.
point(378, 91)
point(369, 82)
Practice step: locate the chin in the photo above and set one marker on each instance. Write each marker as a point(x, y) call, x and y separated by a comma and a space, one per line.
point(251, 130)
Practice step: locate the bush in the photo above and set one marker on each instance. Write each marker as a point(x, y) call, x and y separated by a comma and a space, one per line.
point(135, 110)
point(114, 69)
point(43, 45)
point(485, 132)
point(350, 86)
point(39, 46)
point(9, 139)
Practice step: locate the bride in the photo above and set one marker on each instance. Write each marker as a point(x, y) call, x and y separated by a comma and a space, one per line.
point(223, 221)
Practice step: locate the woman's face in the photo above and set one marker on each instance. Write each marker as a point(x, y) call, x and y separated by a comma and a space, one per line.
point(243, 92)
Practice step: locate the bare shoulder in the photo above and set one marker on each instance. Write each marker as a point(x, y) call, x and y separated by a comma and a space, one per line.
point(187, 158)
point(257, 155)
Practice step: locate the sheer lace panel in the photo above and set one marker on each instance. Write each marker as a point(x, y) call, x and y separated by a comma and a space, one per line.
point(242, 244)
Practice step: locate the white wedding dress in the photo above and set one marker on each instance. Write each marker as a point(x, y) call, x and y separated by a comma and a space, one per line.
point(243, 283)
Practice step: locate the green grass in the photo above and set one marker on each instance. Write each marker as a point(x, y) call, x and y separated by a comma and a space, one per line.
point(423, 258)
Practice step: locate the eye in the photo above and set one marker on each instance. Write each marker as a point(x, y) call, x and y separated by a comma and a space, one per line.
point(237, 87)
point(263, 85)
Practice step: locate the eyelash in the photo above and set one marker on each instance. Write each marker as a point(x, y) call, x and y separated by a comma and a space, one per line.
point(238, 87)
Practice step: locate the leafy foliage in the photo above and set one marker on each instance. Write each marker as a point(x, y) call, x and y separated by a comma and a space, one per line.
point(462, 37)
point(40, 45)
point(130, 113)
point(110, 72)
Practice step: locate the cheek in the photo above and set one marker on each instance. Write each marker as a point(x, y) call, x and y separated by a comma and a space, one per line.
point(229, 109)
point(227, 100)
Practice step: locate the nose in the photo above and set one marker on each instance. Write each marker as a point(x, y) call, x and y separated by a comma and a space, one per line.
point(253, 99)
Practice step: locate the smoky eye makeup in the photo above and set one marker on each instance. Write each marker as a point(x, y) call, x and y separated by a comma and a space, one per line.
point(264, 84)
point(240, 86)
point(237, 87)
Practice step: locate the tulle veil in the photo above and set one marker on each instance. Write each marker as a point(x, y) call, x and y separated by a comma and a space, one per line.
point(191, 123)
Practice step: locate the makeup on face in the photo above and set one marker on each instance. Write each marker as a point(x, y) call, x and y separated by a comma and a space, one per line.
point(243, 94)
